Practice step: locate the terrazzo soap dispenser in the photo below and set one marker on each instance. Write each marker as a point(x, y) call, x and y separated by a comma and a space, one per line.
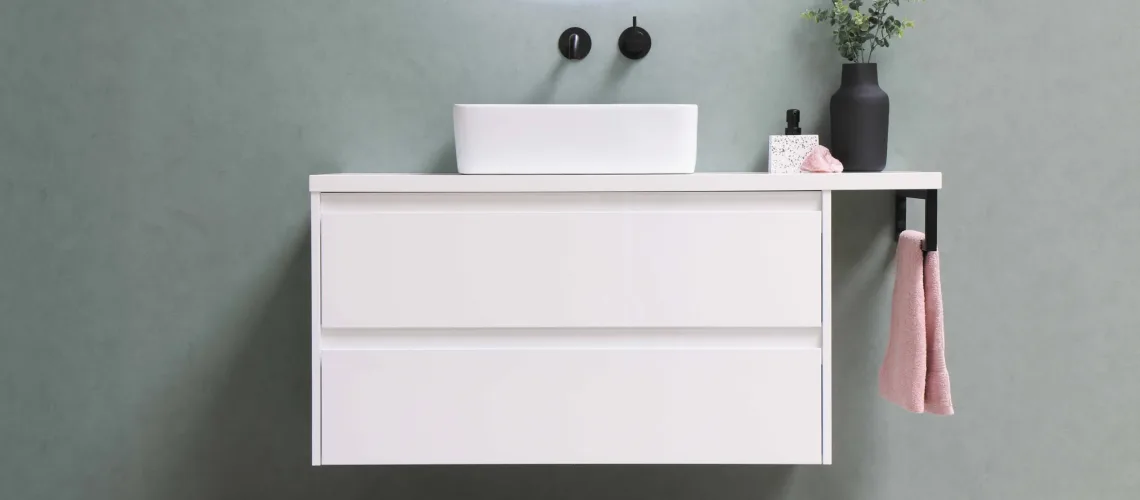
point(787, 152)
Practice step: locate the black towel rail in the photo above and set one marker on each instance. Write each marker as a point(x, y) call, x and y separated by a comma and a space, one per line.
point(931, 197)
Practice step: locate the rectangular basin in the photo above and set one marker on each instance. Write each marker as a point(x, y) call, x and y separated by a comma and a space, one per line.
point(576, 138)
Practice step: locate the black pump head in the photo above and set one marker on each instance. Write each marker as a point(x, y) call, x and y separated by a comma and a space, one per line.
point(793, 122)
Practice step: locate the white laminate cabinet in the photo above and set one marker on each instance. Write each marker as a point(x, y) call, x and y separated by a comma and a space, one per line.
point(584, 319)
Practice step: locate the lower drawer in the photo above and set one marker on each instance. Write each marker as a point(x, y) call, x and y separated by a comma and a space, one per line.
point(563, 406)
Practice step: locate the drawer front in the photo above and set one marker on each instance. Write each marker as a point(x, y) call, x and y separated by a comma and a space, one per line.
point(620, 406)
point(571, 260)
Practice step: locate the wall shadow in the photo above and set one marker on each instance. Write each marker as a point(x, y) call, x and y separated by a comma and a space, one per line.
point(253, 438)
point(862, 259)
point(615, 76)
point(544, 92)
point(444, 161)
point(594, 482)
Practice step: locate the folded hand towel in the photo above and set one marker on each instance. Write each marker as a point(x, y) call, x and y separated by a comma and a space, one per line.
point(914, 374)
point(937, 375)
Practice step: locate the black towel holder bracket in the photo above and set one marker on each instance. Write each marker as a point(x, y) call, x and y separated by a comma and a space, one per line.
point(931, 197)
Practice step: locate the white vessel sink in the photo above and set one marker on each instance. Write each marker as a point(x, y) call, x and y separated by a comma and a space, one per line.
point(576, 139)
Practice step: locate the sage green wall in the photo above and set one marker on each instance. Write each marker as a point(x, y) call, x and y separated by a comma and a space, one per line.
point(154, 292)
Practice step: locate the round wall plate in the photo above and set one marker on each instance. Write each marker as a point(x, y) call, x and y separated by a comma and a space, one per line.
point(584, 43)
point(634, 42)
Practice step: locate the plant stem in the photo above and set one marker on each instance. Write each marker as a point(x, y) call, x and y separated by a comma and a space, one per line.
point(875, 41)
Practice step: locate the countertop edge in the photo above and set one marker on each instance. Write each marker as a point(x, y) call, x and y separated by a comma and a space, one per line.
point(742, 181)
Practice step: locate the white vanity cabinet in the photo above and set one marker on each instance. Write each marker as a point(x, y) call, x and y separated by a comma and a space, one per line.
point(660, 319)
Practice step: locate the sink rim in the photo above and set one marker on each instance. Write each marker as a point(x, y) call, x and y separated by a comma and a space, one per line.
point(620, 105)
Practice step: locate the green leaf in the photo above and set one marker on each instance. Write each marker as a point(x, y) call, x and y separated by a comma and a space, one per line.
point(857, 33)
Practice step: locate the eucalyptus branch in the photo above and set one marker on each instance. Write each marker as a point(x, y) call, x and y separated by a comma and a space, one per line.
point(878, 33)
point(856, 33)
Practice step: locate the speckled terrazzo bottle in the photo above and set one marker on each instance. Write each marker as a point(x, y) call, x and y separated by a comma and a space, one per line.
point(786, 153)
point(860, 118)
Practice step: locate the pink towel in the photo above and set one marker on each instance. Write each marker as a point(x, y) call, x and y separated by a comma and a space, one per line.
point(914, 374)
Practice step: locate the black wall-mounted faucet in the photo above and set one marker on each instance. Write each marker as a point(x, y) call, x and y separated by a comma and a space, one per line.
point(574, 44)
point(634, 42)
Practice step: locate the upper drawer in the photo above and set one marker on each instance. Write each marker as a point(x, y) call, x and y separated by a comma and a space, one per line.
point(571, 260)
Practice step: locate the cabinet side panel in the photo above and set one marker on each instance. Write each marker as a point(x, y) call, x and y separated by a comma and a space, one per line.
point(315, 230)
point(826, 336)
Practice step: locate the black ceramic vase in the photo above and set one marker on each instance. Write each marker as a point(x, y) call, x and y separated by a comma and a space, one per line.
point(860, 115)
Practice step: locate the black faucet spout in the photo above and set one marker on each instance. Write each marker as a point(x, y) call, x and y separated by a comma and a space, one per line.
point(574, 44)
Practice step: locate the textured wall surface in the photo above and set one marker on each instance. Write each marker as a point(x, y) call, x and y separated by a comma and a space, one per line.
point(154, 295)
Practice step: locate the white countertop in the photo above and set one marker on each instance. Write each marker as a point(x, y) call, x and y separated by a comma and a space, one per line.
point(726, 181)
